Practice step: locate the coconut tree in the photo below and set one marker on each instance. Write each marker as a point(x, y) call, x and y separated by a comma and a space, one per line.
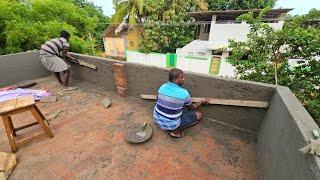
point(132, 9)
point(136, 10)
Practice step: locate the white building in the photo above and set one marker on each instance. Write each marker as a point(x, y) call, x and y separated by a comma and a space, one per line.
point(217, 27)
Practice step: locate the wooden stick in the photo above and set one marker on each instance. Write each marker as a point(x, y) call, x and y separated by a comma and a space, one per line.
point(82, 63)
point(226, 102)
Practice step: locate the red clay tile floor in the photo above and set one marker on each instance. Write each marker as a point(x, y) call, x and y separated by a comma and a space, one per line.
point(89, 143)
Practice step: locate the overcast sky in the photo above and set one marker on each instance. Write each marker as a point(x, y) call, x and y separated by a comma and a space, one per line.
point(300, 6)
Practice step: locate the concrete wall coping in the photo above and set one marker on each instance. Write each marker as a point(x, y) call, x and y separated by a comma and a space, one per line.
point(286, 128)
point(198, 74)
point(21, 53)
point(300, 115)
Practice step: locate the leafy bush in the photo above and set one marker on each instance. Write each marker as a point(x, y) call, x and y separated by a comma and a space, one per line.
point(268, 51)
point(25, 26)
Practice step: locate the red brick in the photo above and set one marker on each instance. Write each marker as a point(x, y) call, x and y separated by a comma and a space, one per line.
point(120, 75)
point(117, 65)
point(117, 72)
point(121, 91)
point(120, 78)
point(121, 83)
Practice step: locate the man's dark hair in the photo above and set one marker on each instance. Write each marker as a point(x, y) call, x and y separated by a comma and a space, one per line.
point(174, 74)
point(64, 34)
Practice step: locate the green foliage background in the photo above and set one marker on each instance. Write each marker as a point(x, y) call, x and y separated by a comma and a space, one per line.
point(168, 28)
point(25, 25)
point(269, 50)
point(166, 24)
point(239, 4)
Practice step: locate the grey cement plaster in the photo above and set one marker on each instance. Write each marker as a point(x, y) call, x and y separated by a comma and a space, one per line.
point(22, 66)
point(102, 77)
point(286, 128)
point(146, 80)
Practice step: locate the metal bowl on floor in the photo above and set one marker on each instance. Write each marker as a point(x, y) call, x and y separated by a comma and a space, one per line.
point(138, 133)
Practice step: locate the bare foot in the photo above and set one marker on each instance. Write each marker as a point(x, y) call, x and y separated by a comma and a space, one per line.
point(177, 134)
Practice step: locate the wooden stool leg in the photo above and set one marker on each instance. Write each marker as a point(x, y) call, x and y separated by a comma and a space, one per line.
point(9, 131)
point(11, 126)
point(39, 112)
point(40, 118)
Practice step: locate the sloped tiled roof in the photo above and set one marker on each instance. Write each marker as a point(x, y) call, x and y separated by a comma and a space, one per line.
point(110, 31)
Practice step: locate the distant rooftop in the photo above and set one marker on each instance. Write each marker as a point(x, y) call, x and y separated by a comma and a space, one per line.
point(233, 14)
point(110, 31)
point(312, 22)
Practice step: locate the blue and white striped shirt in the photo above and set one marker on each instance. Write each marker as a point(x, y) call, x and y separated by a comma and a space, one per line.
point(169, 106)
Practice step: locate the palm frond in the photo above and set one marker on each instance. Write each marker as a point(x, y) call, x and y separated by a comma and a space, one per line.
point(140, 5)
point(203, 5)
point(132, 16)
point(121, 12)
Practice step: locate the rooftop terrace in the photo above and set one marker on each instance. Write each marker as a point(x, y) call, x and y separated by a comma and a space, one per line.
point(89, 142)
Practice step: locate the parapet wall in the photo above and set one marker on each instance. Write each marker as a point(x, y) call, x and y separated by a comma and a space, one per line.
point(282, 129)
point(146, 80)
point(286, 129)
point(22, 66)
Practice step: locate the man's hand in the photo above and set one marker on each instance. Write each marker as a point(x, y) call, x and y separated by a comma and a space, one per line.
point(64, 50)
point(74, 59)
point(198, 104)
point(205, 101)
point(65, 53)
point(71, 58)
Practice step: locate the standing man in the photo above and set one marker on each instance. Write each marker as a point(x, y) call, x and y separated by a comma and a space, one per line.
point(168, 112)
point(51, 54)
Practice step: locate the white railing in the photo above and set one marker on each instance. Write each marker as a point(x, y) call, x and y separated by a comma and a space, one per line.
point(152, 59)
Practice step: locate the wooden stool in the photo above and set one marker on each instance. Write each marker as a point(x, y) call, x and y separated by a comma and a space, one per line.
point(19, 105)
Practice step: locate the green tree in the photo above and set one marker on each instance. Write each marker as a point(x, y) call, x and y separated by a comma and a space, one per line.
point(298, 21)
point(134, 9)
point(268, 51)
point(169, 27)
point(240, 4)
point(26, 25)
point(103, 21)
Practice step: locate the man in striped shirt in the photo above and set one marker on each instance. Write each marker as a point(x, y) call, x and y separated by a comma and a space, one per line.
point(51, 54)
point(168, 112)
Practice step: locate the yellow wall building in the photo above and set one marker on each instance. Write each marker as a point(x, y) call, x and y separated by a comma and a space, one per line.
point(116, 45)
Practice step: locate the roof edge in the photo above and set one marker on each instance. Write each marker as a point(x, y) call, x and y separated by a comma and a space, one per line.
point(286, 10)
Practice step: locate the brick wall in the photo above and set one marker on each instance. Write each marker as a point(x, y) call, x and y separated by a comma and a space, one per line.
point(120, 78)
